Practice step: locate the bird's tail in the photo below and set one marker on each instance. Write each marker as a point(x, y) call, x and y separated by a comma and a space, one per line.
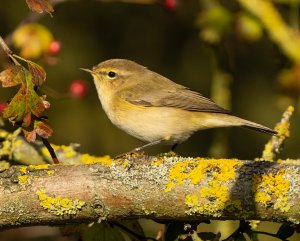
point(258, 127)
point(251, 125)
point(212, 120)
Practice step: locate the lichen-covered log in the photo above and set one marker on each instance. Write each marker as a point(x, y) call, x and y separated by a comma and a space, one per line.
point(166, 188)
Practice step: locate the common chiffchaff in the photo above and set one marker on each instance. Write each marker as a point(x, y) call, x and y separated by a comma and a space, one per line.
point(153, 108)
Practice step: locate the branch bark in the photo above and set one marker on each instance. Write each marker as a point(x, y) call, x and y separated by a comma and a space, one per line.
point(164, 188)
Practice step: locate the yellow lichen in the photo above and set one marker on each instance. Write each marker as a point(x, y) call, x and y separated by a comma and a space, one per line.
point(268, 153)
point(88, 159)
point(23, 179)
point(50, 172)
point(191, 200)
point(214, 196)
point(59, 206)
point(272, 148)
point(195, 170)
point(212, 199)
point(147, 211)
point(23, 169)
point(157, 162)
point(16, 143)
point(125, 163)
point(272, 190)
point(39, 167)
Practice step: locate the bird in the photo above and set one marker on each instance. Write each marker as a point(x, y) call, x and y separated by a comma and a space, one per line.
point(156, 110)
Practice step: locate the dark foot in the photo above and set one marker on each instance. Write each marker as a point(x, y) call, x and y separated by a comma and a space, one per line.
point(174, 146)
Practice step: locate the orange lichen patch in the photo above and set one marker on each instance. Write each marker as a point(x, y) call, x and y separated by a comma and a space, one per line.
point(194, 170)
point(272, 190)
point(88, 159)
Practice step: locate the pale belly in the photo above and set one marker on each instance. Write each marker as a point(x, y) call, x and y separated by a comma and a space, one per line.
point(156, 123)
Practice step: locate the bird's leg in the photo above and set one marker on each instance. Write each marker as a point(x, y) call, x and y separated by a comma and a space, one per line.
point(174, 146)
point(153, 143)
point(139, 149)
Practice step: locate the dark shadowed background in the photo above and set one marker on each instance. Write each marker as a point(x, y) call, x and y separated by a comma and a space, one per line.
point(168, 42)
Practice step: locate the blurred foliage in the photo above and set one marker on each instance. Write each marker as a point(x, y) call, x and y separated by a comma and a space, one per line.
point(32, 39)
point(244, 54)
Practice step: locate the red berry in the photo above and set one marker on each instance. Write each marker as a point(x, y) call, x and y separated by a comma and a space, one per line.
point(78, 88)
point(170, 5)
point(54, 47)
point(3, 105)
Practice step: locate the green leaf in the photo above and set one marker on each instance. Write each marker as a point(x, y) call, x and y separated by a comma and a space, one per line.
point(285, 231)
point(32, 39)
point(12, 76)
point(38, 73)
point(24, 102)
point(101, 232)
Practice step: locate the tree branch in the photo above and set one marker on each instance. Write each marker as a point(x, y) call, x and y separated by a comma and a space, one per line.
point(168, 188)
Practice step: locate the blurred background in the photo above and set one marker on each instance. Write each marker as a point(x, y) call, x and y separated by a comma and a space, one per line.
point(225, 50)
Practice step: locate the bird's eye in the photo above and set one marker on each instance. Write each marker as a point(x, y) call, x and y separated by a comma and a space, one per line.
point(111, 74)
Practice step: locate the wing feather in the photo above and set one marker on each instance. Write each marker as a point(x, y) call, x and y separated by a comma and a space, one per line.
point(162, 92)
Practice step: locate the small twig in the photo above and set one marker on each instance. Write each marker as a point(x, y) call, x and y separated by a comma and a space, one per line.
point(273, 147)
point(140, 237)
point(7, 51)
point(5, 47)
point(51, 150)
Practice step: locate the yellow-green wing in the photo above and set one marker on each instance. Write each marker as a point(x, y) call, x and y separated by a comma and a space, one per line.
point(162, 92)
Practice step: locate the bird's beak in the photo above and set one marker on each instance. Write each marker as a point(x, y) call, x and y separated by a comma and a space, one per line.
point(87, 70)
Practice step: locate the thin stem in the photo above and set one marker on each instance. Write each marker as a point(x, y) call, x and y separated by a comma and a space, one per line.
point(5, 47)
point(7, 50)
point(51, 150)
